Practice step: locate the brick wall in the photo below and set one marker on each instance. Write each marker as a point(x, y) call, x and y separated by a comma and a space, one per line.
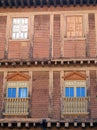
point(74, 48)
point(56, 36)
point(41, 47)
point(93, 93)
point(56, 95)
point(18, 50)
point(3, 20)
point(91, 44)
point(1, 93)
point(40, 94)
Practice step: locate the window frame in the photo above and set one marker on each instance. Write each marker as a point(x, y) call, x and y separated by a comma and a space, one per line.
point(75, 86)
point(19, 23)
point(15, 85)
point(84, 25)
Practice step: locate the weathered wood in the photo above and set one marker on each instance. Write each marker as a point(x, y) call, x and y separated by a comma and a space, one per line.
point(34, 124)
point(81, 2)
point(94, 2)
point(34, 3)
point(26, 124)
point(55, 3)
point(66, 124)
point(50, 93)
point(58, 124)
point(74, 2)
point(48, 3)
point(48, 124)
point(28, 63)
point(91, 124)
point(10, 3)
point(29, 3)
point(88, 2)
point(9, 124)
point(68, 2)
point(75, 124)
point(83, 124)
point(22, 3)
point(41, 3)
point(3, 3)
point(16, 3)
point(61, 3)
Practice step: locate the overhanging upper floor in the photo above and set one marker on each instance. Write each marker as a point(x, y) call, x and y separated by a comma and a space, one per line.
point(41, 3)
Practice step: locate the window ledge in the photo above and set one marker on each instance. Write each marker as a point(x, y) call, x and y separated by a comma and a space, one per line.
point(19, 40)
point(74, 38)
point(75, 113)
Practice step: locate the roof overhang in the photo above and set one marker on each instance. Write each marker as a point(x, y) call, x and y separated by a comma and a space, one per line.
point(48, 3)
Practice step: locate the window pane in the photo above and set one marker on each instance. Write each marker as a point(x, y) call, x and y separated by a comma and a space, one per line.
point(11, 92)
point(22, 93)
point(20, 25)
point(66, 92)
point(78, 92)
point(71, 92)
point(83, 92)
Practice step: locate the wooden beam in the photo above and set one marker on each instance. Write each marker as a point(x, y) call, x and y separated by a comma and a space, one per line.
point(74, 2)
point(68, 2)
point(26, 124)
point(18, 124)
point(48, 124)
point(91, 124)
point(55, 3)
point(41, 3)
point(81, 2)
point(22, 3)
point(16, 3)
point(94, 2)
point(3, 3)
point(10, 3)
point(88, 2)
point(58, 124)
point(66, 124)
point(29, 3)
point(61, 3)
point(83, 124)
point(34, 3)
point(75, 124)
point(9, 124)
point(48, 3)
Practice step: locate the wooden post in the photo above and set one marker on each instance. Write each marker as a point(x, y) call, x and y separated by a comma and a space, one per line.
point(50, 93)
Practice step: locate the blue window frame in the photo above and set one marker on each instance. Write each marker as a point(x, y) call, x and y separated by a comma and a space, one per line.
point(69, 91)
point(80, 92)
point(11, 92)
point(17, 92)
point(22, 93)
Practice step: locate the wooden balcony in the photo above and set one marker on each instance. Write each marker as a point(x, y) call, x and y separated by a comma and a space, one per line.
point(75, 106)
point(16, 106)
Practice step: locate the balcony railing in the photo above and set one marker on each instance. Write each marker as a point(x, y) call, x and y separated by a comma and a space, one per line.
point(16, 106)
point(75, 105)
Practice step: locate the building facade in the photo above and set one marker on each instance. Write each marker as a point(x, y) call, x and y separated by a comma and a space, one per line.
point(48, 64)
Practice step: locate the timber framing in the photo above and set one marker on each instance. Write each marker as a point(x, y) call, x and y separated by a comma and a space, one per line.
point(47, 62)
point(32, 123)
point(48, 3)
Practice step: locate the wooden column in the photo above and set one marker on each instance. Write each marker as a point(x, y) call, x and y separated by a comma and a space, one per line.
point(30, 92)
point(62, 86)
point(8, 34)
point(50, 93)
point(31, 35)
point(51, 35)
point(62, 28)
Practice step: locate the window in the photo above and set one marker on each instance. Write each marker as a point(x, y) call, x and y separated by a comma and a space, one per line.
point(17, 90)
point(75, 92)
point(74, 26)
point(20, 28)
